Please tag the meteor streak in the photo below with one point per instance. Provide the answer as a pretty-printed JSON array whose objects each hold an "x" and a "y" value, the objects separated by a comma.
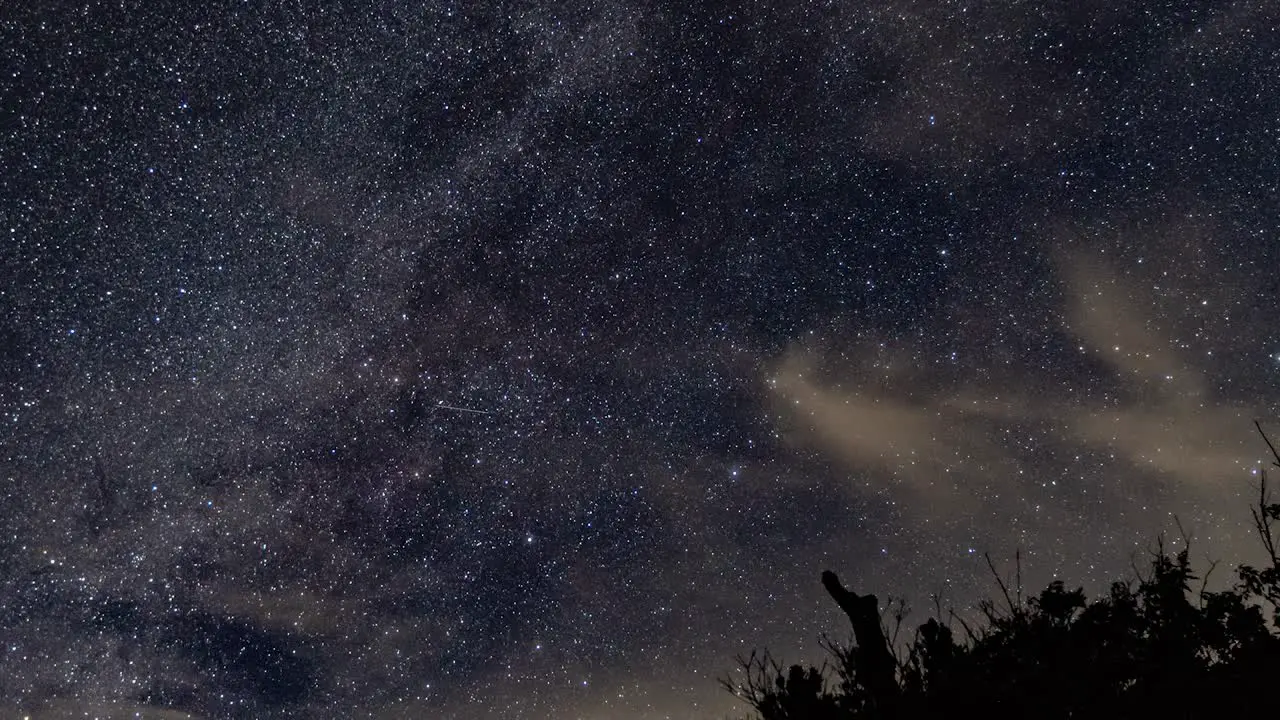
[{"x": 462, "y": 409}]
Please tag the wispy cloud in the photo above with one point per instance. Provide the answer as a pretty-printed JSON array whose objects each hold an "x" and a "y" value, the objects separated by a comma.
[{"x": 942, "y": 445}]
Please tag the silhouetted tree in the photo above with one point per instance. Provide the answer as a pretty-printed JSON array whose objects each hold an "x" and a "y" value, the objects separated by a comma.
[{"x": 1152, "y": 647}]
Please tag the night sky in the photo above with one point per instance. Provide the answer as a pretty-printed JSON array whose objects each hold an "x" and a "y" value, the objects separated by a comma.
[{"x": 527, "y": 360}]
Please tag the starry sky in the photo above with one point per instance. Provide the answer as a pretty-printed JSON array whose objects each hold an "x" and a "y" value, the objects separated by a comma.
[{"x": 526, "y": 360}]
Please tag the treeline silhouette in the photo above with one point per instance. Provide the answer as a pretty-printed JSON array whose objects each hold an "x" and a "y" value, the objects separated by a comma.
[{"x": 1153, "y": 647}]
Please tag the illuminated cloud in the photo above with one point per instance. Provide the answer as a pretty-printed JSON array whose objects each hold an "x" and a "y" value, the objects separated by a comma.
[{"x": 929, "y": 441}]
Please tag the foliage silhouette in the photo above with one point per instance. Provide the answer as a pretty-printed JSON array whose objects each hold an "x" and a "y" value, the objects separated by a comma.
[{"x": 1152, "y": 647}]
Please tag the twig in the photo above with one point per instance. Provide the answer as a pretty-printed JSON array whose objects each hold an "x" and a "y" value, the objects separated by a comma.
[
  {"x": 1004, "y": 589},
  {"x": 1274, "y": 453},
  {"x": 1204, "y": 582},
  {"x": 1262, "y": 521},
  {"x": 973, "y": 637},
  {"x": 1017, "y": 562},
  {"x": 1182, "y": 532}
]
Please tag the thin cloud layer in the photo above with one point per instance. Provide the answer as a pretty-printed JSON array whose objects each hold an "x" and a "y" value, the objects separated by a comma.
[{"x": 1152, "y": 412}]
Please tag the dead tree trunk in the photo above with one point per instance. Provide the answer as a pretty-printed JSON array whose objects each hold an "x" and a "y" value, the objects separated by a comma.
[{"x": 874, "y": 664}]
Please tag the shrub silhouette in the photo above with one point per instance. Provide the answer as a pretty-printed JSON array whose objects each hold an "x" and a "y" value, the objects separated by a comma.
[{"x": 1151, "y": 647}]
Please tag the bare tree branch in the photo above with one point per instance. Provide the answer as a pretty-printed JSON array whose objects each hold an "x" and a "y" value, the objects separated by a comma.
[
  {"x": 1274, "y": 453},
  {"x": 1004, "y": 589},
  {"x": 1204, "y": 582}
]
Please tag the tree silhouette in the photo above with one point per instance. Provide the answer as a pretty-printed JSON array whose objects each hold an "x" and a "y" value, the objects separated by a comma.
[{"x": 1152, "y": 647}]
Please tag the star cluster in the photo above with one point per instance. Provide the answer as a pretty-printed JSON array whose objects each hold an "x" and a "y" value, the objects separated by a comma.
[{"x": 437, "y": 360}]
